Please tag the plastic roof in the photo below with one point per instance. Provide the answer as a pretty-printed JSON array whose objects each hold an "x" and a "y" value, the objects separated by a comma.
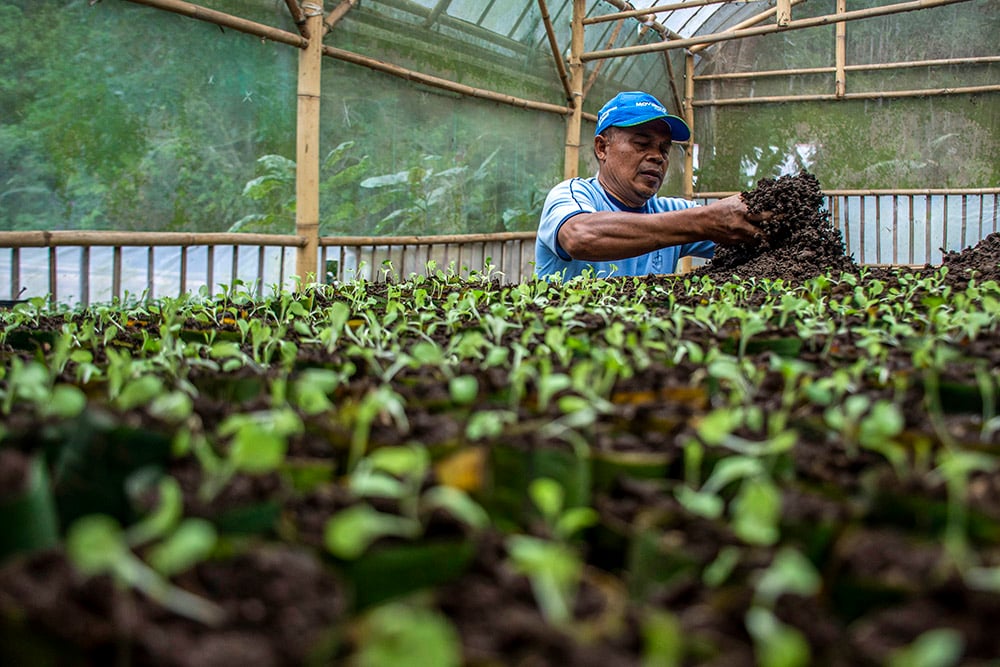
[
  {"x": 514, "y": 19},
  {"x": 515, "y": 28}
]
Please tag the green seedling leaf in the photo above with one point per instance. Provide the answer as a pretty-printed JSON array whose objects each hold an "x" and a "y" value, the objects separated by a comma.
[
  {"x": 548, "y": 496},
  {"x": 192, "y": 542},
  {"x": 942, "y": 647},
  {"x": 554, "y": 571},
  {"x": 463, "y": 389},
  {"x": 257, "y": 451},
  {"x": 884, "y": 422},
  {"x": 174, "y": 407},
  {"x": 488, "y": 424},
  {"x": 549, "y": 385},
  {"x": 756, "y": 512},
  {"x": 400, "y": 461},
  {"x": 663, "y": 640},
  {"x": 369, "y": 483},
  {"x": 65, "y": 402},
  {"x": 96, "y": 544},
  {"x": 730, "y": 470},
  {"x": 574, "y": 520},
  {"x": 403, "y": 634},
  {"x": 776, "y": 644},
  {"x": 718, "y": 425},
  {"x": 707, "y": 505},
  {"x": 313, "y": 388},
  {"x": 457, "y": 503},
  {"x": 164, "y": 518},
  {"x": 789, "y": 572},
  {"x": 139, "y": 392},
  {"x": 350, "y": 532},
  {"x": 716, "y": 572}
]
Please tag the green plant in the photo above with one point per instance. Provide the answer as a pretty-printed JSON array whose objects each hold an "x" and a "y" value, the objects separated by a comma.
[{"x": 97, "y": 544}]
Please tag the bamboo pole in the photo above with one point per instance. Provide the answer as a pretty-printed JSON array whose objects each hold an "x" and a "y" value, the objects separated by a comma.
[
  {"x": 872, "y": 95},
  {"x": 594, "y": 73},
  {"x": 45, "y": 239},
  {"x": 783, "y": 13},
  {"x": 436, "y": 12},
  {"x": 550, "y": 33},
  {"x": 689, "y": 118},
  {"x": 654, "y": 10},
  {"x": 840, "y": 53},
  {"x": 297, "y": 16},
  {"x": 746, "y": 23},
  {"x": 798, "y": 24},
  {"x": 442, "y": 84},
  {"x": 626, "y": 7},
  {"x": 870, "y": 67},
  {"x": 338, "y": 13},
  {"x": 227, "y": 21},
  {"x": 436, "y": 239},
  {"x": 574, "y": 125},
  {"x": 307, "y": 145}
]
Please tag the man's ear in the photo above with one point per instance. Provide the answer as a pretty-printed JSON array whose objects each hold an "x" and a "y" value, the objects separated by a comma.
[{"x": 600, "y": 147}]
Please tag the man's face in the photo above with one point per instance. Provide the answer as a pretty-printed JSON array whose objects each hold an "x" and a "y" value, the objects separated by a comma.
[{"x": 634, "y": 160}]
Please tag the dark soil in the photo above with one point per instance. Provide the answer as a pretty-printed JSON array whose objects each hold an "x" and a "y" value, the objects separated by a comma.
[
  {"x": 278, "y": 604},
  {"x": 799, "y": 242},
  {"x": 980, "y": 262}
]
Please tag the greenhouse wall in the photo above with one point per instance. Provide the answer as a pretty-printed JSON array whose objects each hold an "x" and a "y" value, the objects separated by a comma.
[{"x": 931, "y": 141}]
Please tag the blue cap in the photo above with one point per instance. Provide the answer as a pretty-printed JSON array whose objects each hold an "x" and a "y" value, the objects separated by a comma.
[{"x": 635, "y": 108}]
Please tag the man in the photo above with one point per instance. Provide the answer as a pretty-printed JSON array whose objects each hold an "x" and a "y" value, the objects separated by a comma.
[{"x": 614, "y": 223}]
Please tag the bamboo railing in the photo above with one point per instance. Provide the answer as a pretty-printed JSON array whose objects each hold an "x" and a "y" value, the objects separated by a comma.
[{"x": 880, "y": 227}]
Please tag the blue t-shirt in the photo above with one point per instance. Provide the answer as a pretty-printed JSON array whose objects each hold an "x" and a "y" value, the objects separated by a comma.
[{"x": 585, "y": 195}]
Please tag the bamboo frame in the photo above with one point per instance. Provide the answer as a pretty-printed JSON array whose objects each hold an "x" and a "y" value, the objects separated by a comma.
[
  {"x": 746, "y": 23},
  {"x": 56, "y": 238},
  {"x": 550, "y": 34},
  {"x": 227, "y": 21},
  {"x": 298, "y": 18},
  {"x": 840, "y": 53},
  {"x": 309, "y": 244},
  {"x": 870, "y": 67},
  {"x": 783, "y": 13},
  {"x": 443, "y": 84},
  {"x": 338, "y": 13},
  {"x": 798, "y": 24},
  {"x": 571, "y": 164},
  {"x": 308, "y": 142},
  {"x": 832, "y": 97},
  {"x": 630, "y": 13}
]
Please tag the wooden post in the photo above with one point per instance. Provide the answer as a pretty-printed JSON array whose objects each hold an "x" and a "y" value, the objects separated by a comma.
[
  {"x": 840, "y": 53},
  {"x": 689, "y": 117},
  {"x": 571, "y": 168},
  {"x": 307, "y": 151},
  {"x": 784, "y": 14},
  {"x": 689, "y": 147}
]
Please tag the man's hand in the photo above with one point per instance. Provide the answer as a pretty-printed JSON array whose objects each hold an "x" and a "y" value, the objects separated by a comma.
[{"x": 727, "y": 222}]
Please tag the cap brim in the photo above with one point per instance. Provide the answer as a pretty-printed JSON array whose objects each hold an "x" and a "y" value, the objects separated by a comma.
[{"x": 679, "y": 130}]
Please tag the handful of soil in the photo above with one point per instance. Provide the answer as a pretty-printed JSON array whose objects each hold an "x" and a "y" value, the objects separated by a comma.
[{"x": 799, "y": 241}]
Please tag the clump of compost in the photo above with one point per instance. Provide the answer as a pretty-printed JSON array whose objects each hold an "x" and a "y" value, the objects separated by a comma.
[
  {"x": 981, "y": 261},
  {"x": 798, "y": 240}
]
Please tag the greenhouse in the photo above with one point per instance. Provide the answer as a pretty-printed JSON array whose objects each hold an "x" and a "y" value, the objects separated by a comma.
[{"x": 287, "y": 377}]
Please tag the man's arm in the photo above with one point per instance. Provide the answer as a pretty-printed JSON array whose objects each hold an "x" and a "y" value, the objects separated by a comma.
[{"x": 607, "y": 236}]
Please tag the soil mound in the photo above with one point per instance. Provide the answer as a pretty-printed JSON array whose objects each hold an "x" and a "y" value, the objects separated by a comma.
[
  {"x": 799, "y": 241},
  {"x": 981, "y": 261}
]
